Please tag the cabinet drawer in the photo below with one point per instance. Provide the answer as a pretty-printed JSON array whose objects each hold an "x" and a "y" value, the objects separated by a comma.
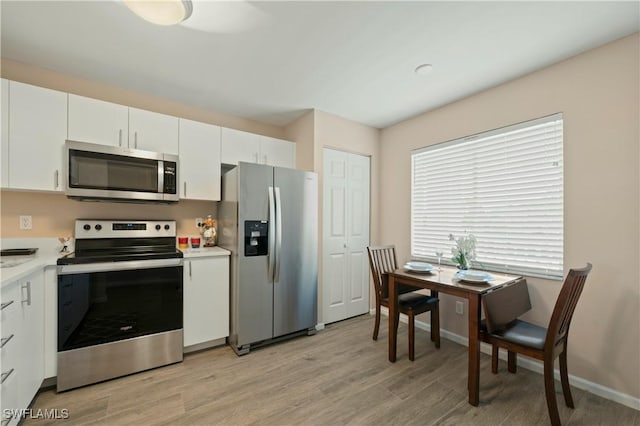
[
  {"x": 10, "y": 312},
  {"x": 9, "y": 398}
]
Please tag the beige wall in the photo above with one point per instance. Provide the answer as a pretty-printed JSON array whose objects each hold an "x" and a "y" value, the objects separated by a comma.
[
  {"x": 598, "y": 92},
  {"x": 54, "y": 214},
  {"x": 317, "y": 130},
  {"x": 302, "y": 131},
  {"x": 30, "y": 74}
]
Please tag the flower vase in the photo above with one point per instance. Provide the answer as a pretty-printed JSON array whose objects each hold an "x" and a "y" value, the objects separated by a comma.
[{"x": 463, "y": 263}]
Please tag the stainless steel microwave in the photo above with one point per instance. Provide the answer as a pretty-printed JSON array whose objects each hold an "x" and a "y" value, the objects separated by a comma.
[{"x": 104, "y": 172}]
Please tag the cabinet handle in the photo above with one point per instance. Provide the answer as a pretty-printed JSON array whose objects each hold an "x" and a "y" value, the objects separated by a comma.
[
  {"x": 5, "y": 340},
  {"x": 265, "y": 159},
  {"x": 135, "y": 140},
  {"x": 6, "y": 375},
  {"x": 189, "y": 269},
  {"x": 120, "y": 137},
  {"x": 55, "y": 178},
  {"x": 5, "y": 304},
  {"x": 27, "y": 286},
  {"x": 185, "y": 189}
]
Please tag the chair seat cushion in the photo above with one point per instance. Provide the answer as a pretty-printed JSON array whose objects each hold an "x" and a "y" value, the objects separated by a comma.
[
  {"x": 415, "y": 302},
  {"x": 522, "y": 333}
]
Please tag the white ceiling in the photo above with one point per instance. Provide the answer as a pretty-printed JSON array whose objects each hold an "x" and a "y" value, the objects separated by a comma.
[{"x": 353, "y": 59}]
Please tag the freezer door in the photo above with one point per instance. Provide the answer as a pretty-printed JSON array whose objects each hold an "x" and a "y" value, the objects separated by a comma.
[
  {"x": 254, "y": 304},
  {"x": 295, "y": 305}
]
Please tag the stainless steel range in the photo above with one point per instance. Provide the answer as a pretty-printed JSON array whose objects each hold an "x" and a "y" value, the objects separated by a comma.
[{"x": 119, "y": 301}]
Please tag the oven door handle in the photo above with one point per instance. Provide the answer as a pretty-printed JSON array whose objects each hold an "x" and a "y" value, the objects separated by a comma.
[{"x": 88, "y": 268}]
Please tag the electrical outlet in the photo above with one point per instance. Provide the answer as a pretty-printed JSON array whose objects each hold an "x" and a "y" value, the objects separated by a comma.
[
  {"x": 459, "y": 308},
  {"x": 198, "y": 222},
  {"x": 26, "y": 222}
]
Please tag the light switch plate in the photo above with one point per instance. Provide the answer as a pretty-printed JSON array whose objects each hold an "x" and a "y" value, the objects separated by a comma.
[{"x": 459, "y": 308}]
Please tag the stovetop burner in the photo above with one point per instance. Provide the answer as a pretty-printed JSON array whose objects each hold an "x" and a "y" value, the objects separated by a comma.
[
  {"x": 118, "y": 240},
  {"x": 77, "y": 258}
]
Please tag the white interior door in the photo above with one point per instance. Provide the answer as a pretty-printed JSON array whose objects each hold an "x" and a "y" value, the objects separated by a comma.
[{"x": 345, "y": 235}]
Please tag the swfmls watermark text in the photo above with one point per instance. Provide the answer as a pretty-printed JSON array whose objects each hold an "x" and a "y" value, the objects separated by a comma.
[{"x": 29, "y": 413}]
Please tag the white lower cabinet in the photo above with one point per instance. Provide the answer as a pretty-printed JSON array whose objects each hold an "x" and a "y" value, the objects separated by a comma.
[
  {"x": 22, "y": 349},
  {"x": 206, "y": 299}
]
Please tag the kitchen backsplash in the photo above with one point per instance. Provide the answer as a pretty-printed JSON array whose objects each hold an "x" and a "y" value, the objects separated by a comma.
[{"x": 53, "y": 215}]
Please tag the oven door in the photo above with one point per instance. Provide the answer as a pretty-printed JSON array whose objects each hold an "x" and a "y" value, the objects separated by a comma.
[{"x": 111, "y": 301}]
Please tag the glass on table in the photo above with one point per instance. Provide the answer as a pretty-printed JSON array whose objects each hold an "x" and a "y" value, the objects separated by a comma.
[{"x": 439, "y": 253}]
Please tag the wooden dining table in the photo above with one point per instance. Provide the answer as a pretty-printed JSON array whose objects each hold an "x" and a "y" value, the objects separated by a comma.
[{"x": 444, "y": 281}]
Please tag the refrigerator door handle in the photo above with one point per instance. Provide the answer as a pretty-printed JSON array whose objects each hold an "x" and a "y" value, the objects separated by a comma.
[
  {"x": 272, "y": 232},
  {"x": 278, "y": 234}
]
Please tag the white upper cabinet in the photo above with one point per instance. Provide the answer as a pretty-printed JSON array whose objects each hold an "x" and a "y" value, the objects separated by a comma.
[
  {"x": 277, "y": 152},
  {"x": 251, "y": 148},
  {"x": 199, "y": 170},
  {"x": 37, "y": 131},
  {"x": 4, "y": 128},
  {"x": 239, "y": 146},
  {"x": 95, "y": 121},
  {"x": 152, "y": 131}
]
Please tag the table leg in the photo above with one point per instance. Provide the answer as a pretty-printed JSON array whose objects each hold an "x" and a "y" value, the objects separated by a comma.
[
  {"x": 474, "y": 349},
  {"x": 393, "y": 318}
]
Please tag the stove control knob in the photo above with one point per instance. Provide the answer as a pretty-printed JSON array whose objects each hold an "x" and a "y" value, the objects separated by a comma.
[
  {"x": 158, "y": 227},
  {"x": 98, "y": 227},
  {"x": 166, "y": 227},
  {"x": 86, "y": 227}
]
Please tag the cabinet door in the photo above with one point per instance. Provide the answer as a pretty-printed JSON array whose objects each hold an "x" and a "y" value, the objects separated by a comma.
[
  {"x": 277, "y": 152},
  {"x": 91, "y": 120},
  {"x": 151, "y": 131},
  {"x": 199, "y": 170},
  {"x": 10, "y": 351},
  {"x": 206, "y": 299},
  {"x": 4, "y": 129},
  {"x": 37, "y": 131},
  {"x": 239, "y": 146},
  {"x": 32, "y": 341}
]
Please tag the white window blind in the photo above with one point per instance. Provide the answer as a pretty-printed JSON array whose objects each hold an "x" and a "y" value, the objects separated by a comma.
[{"x": 505, "y": 187}]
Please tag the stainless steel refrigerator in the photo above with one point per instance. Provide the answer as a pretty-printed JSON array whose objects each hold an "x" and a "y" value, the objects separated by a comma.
[{"x": 268, "y": 219}]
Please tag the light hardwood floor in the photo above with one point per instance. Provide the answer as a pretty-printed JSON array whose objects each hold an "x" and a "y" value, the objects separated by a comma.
[{"x": 339, "y": 376}]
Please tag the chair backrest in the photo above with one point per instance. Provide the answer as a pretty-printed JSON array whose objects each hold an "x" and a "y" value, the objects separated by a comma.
[
  {"x": 382, "y": 259},
  {"x": 566, "y": 305},
  {"x": 505, "y": 304}
]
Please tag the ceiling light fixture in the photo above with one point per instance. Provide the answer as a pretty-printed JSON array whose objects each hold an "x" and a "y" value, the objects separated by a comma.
[
  {"x": 423, "y": 69},
  {"x": 161, "y": 12}
]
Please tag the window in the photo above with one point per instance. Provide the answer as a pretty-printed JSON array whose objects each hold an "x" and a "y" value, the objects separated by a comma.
[{"x": 503, "y": 186}]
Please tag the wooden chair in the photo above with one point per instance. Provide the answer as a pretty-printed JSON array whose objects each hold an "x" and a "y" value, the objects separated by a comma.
[
  {"x": 383, "y": 260},
  {"x": 503, "y": 330}
]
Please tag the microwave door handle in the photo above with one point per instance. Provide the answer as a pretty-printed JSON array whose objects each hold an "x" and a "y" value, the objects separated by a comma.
[
  {"x": 272, "y": 232},
  {"x": 278, "y": 234},
  {"x": 160, "y": 177}
]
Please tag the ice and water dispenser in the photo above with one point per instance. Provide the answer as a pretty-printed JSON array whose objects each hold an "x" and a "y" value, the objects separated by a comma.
[{"x": 256, "y": 238}]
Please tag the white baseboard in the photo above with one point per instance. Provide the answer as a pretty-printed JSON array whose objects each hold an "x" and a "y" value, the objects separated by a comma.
[
  {"x": 320, "y": 326},
  {"x": 533, "y": 365}
]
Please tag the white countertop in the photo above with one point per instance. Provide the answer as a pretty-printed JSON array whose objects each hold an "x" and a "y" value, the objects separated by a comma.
[
  {"x": 47, "y": 256},
  {"x": 205, "y": 252},
  {"x": 28, "y": 265}
]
